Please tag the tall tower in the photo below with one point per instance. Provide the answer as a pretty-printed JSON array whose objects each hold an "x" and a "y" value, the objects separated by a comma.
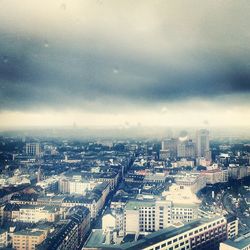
[{"x": 202, "y": 143}]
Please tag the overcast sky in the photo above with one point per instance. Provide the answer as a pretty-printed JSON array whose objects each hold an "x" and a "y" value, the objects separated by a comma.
[{"x": 124, "y": 63}]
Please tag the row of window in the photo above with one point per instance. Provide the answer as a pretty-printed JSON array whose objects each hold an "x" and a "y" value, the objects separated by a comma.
[{"x": 218, "y": 232}]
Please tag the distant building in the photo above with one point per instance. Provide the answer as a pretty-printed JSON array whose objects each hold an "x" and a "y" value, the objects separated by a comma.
[
  {"x": 33, "y": 149},
  {"x": 202, "y": 161},
  {"x": 170, "y": 145},
  {"x": 186, "y": 149},
  {"x": 215, "y": 176},
  {"x": 155, "y": 177},
  {"x": 202, "y": 143},
  {"x": 78, "y": 187},
  {"x": 182, "y": 163},
  {"x": 164, "y": 154},
  {"x": 49, "y": 185},
  {"x": 111, "y": 178},
  {"x": 237, "y": 172},
  {"x": 63, "y": 185},
  {"x": 195, "y": 181}
]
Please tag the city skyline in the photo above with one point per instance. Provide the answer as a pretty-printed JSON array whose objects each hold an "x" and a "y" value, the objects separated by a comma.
[{"x": 124, "y": 63}]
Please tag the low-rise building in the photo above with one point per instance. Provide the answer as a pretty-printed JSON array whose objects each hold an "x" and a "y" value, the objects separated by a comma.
[
  {"x": 34, "y": 214},
  {"x": 215, "y": 176},
  {"x": 194, "y": 180},
  {"x": 28, "y": 239},
  {"x": 93, "y": 200},
  {"x": 237, "y": 172},
  {"x": 30, "y": 213},
  {"x": 3, "y": 238},
  {"x": 155, "y": 177},
  {"x": 69, "y": 233},
  {"x": 239, "y": 243}
]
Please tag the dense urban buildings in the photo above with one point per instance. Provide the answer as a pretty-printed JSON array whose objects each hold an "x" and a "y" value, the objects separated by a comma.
[
  {"x": 124, "y": 125},
  {"x": 188, "y": 191}
]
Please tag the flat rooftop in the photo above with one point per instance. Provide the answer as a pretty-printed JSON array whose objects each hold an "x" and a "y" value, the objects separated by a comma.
[
  {"x": 136, "y": 204},
  {"x": 97, "y": 237},
  {"x": 29, "y": 232},
  {"x": 240, "y": 242}
]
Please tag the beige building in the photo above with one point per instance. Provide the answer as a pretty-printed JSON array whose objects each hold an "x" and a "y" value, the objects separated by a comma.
[
  {"x": 33, "y": 214},
  {"x": 194, "y": 180},
  {"x": 178, "y": 205},
  {"x": 28, "y": 239},
  {"x": 215, "y": 176},
  {"x": 3, "y": 238}
]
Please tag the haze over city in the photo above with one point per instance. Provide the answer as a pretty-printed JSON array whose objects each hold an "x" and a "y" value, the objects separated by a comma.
[{"x": 124, "y": 125}]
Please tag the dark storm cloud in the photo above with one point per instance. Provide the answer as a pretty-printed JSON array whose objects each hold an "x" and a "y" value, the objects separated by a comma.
[
  {"x": 38, "y": 71},
  {"x": 33, "y": 74}
]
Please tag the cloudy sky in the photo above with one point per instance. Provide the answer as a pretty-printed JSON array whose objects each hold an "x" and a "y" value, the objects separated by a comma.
[{"x": 124, "y": 63}]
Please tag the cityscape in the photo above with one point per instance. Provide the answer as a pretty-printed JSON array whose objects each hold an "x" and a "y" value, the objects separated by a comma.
[
  {"x": 124, "y": 125},
  {"x": 180, "y": 192}
]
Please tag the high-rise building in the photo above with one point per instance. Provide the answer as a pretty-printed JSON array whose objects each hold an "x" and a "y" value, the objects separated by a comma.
[
  {"x": 202, "y": 143},
  {"x": 186, "y": 149},
  {"x": 33, "y": 149},
  {"x": 170, "y": 145}
]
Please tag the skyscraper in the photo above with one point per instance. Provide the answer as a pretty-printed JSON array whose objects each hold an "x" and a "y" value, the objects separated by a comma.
[
  {"x": 33, "y": 149},
  {"x": 171, "y": 146},
  {"x": 186, "y": 149},
  {"x": 202, "y": 143}
]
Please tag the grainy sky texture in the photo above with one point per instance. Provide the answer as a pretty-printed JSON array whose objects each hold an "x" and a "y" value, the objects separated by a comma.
[{"x": 117, "y": 62}]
